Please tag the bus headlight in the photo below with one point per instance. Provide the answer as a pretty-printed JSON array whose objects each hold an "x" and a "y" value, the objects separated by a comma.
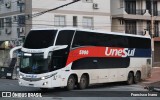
[
  {"x": 20, "y": 76},
  {"x": 43, "y": 78},
  {"x": 48, "y": 76}
]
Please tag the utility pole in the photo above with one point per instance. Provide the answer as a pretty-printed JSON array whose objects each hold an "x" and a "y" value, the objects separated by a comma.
[{"x": 152, "y": 32}]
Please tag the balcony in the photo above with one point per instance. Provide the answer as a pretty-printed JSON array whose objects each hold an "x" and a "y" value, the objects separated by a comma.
[
  {"x": 136, "y": 14},
  {"x": 136, "y": 11}
]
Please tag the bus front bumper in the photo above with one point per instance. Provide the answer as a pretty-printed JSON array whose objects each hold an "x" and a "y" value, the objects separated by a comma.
[{"x": 41, "y": 83}]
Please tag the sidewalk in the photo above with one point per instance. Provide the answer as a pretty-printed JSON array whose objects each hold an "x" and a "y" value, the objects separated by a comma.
[{"x": 153, "y": 83}]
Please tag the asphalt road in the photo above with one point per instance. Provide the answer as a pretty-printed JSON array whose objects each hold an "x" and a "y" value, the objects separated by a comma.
[{"x": 111, "y": 91}]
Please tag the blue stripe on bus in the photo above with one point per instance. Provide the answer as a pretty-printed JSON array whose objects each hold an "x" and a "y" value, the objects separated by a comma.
[{"x": 142, "y": 53}]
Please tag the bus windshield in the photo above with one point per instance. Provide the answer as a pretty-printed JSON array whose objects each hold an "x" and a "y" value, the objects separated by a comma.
[
  {"x": 33, "y": 63},
  {"x": 38, "y": 39}
]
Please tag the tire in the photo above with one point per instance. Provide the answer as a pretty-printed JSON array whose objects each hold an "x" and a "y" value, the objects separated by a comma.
[
  {"x": 83, "y": 82},
  {"x": 137, "y": 77},
  {"x": 71, "y": 83},
  {"x": 130, "y": 78}
]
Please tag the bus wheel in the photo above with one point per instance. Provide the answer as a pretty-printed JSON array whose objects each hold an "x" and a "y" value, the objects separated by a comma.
[
  {"x": 83, "y": 82},
  {"x": 137, "y": 77},
  {"x": 71, "y": 83},
  {"x": 130, "y": 78}
]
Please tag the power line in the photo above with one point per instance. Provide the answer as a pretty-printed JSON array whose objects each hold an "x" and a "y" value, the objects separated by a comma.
[{"x": 43, "y": 12}]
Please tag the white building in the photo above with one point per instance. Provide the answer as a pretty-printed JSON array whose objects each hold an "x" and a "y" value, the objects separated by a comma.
[{"x": 91, "y": 14}]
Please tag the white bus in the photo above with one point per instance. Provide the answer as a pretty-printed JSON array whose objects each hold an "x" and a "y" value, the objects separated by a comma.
[{"x": 69, "y": 57}]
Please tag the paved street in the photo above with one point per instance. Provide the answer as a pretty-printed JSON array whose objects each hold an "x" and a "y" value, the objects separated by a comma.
[{"x": 102, "y": 91}]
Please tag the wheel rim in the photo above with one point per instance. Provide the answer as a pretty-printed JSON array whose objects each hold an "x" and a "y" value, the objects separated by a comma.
[{"x": 70, "y": 82}]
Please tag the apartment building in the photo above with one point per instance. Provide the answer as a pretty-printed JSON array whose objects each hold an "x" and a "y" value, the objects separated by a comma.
[
  {"x": 12, "y": 27},
  {"x": 17, "y": 17},
  {"x": 134, "y": 17}
]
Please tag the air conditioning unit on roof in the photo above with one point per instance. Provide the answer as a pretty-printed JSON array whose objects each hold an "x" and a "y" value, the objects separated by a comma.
[
  {"x": 95, "y": 6},
  {"x": 8, "y": 4}
]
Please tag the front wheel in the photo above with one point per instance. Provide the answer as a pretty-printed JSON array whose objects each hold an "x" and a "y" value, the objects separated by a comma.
[
  {"x": 71, "y": 83},
  {"x": 130, "y": 78},
  {"x": 83, "y": 82}
]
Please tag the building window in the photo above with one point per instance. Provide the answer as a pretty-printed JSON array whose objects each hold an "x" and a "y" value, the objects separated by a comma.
[
  {"x": 155, "y": 7},
  {"x": 156, "y": 29},
  {"x": 8, "y": 22},
  {"x": 75, "y": 21},
  {"x": 21, "y": 20},
  {"x": 1, "y": 23},
  {"x": 130, "y": 27},
  {"x": 88, "y": 22},
  {"x": 130, "y": 6},
  {"x": 60, "y": 20}
]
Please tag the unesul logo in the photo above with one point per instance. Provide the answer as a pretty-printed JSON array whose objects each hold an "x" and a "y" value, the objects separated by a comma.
[{"x": 119, "y": 52}]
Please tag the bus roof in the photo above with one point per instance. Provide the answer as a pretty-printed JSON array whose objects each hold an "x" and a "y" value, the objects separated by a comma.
[{"x": 94, "y": 31}]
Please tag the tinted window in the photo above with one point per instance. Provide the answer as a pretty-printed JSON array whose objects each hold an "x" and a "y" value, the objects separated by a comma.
[
  {"x": 101, "y": 63},
  {"x": 99, "y": 39},
  {"x": 37, "y": 39},
  {"x": 64, "y": 37},
  {"x": 135, "y": 42},
  {"x": 109, "y": 40}
]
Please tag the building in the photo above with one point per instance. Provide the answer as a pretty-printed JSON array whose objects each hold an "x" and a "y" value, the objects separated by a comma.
[
  {"x": 134, "y": 17},
  {"x": 12, "y": 23},
  {"x": 17, "y": 17}
]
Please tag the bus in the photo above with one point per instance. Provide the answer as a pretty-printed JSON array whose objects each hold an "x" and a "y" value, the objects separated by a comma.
[{"x": 73, "y": 57}]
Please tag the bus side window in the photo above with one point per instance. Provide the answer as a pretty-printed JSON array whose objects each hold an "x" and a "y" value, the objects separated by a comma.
[
  {"x": 85, "y": 39},
  {"x": 65, "y": 37}
]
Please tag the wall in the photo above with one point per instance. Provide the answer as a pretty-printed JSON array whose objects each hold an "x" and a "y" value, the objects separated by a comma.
[{"x": 79, "y": 9}]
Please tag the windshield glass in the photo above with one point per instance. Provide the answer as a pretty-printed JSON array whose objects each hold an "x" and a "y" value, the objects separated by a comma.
[
  {"x": 33, "y": 63},
  {"x": 37, "y": 39}
]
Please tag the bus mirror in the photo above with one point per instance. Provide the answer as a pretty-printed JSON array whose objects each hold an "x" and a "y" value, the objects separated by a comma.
[{"x": 13, "y": 50}]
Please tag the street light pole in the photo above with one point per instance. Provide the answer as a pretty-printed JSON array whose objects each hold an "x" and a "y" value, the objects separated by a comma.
[{"x": 152, "y": 32}]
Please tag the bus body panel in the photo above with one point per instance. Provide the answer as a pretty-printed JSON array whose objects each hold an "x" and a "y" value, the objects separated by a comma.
[{"x": 105, "y": 57}]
